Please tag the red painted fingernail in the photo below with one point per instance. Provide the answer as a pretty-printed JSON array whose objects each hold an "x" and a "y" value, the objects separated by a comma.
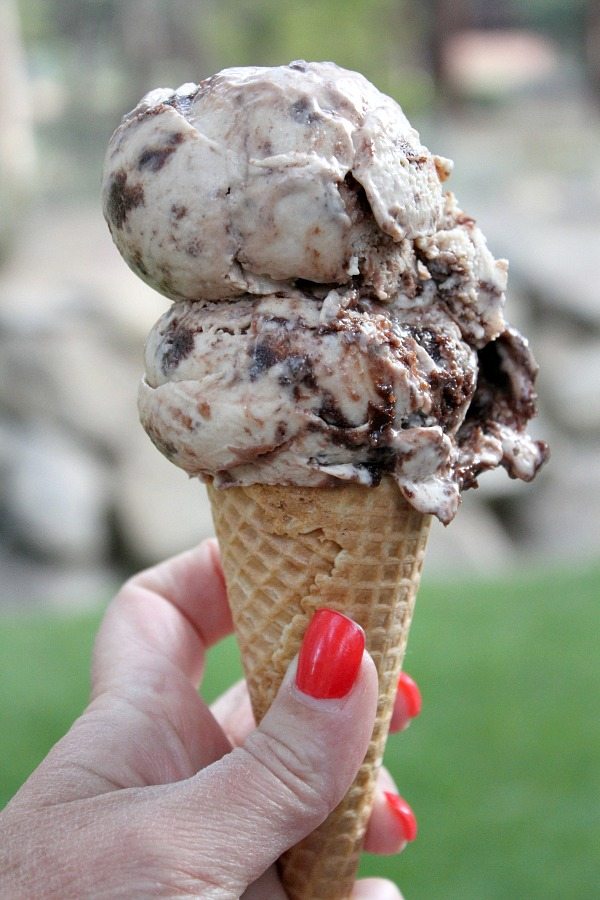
[
  {"x": 411, "y": 694},
  {"x": 404, "y": 814},
  {"x": 330, "y": 656}
]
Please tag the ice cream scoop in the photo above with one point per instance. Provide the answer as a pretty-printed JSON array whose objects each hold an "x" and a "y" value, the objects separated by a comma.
[
  {"x": 262, "y": 175},
  {"x": 290, "y": 391}
]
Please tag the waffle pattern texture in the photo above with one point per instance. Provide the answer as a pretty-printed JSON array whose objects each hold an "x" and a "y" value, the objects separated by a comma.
[{"x": 288, "y": 551}]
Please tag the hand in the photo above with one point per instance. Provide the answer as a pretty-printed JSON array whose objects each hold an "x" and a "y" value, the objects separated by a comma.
[{"x": 144, "y": 797}]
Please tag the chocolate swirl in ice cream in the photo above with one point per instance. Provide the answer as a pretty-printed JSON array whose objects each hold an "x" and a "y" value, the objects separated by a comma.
[
  {"x": 257, "y": 176},
  {"x": 337, "y": 317}
]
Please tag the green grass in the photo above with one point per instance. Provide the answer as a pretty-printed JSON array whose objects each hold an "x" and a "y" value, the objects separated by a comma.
[{"x": 502, "y": 768}]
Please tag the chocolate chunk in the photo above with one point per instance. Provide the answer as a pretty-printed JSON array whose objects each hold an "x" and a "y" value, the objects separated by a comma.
[
  {"x": 332, "y": 414},
  {"x": 204, "y": 408},
  {"x": 360, "y": 195},
  {"x": 266, "y": 353},
  {"x": 431, "y": 342},
  {"x": 122, "y": 198},
  {"x": 507, "y": 371},
  {"x": 380, "y": 462},
  {"x": 179, "y": 343},
  {"x": 297, "y": 370},
  {"x": 154, "y": 158},
  {"x": 303, "y": 112},
  {"x": 381, "y": 419}
]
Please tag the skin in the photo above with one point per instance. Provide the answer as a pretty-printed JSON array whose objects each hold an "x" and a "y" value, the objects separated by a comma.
[{"x": 145, "y": 797}]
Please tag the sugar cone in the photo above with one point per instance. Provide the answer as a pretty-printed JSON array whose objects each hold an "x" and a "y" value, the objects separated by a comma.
[{"x": 286, "y": 552}]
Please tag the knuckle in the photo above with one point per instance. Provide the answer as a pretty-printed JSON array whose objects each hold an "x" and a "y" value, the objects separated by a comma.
[{"x": 293, "y": 775}]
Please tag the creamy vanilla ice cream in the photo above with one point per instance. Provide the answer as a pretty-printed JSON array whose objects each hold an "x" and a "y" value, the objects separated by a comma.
[
  {"x": 337, "y": 317},
  {"x": 260, "y": 175}
]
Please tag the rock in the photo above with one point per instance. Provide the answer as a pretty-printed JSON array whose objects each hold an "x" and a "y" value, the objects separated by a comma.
[
  {"x": 95, "y": 388},
  {"x": 70, "y": 369},
  {"x": 27, "y": 584},
  {"x": 8, "y": 444},
  {"x": 159, "y": 510},
  {"x": 69, "y": 251},
  {"x": 556, "y": 264},
  {"x": 570, "y": 379},
  {"x": 561, "y": 520},
  {"x": 56, "y": 498}
]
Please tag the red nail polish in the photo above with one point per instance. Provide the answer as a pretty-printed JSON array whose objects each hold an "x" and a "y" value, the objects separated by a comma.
[
  {"x": 411, "y": 694},
  {"x": 404, "y": 813},
  {"x": 330, "y": 656}
]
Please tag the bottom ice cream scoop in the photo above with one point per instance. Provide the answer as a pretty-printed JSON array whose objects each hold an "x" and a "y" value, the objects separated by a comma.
[{"x": 289, "y": 390}]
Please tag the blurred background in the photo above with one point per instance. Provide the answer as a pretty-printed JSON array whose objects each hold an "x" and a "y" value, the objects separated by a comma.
[{"x": 510, "y": 91}]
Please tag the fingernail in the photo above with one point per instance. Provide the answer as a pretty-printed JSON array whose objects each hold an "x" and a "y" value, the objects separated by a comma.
[
  {"x": 404, "y": 814},
  {"x": 411, "y": 694},
  {"x": 330, "y": 656}
]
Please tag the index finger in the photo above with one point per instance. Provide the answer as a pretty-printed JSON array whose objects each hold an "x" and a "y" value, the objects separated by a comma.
[{"x": 164, "y": 617}]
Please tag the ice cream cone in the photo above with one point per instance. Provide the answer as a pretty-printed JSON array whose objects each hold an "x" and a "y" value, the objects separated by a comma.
[{"x": 286, "y": 552}]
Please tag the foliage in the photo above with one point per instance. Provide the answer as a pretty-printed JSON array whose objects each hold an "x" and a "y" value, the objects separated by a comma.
[
  {"x": 563, "y": 20},
  {"x": 375, "y": 37},
  {"x": 149, "y": 42}
]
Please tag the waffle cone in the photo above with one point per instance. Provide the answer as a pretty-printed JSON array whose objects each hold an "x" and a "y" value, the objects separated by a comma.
[{"x": 286, "y": 552}]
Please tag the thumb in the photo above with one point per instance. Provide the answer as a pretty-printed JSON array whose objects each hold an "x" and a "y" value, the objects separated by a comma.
[{"x": 236, "y": 817}]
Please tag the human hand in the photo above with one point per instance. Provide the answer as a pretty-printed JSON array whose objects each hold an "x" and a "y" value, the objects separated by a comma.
[{"x": 144, "y": 796}]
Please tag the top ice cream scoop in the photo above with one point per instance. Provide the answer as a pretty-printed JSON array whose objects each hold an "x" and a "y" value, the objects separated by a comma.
[
  {"x": 259, "y": 175},
  {"x": 337, "y": 316}
]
